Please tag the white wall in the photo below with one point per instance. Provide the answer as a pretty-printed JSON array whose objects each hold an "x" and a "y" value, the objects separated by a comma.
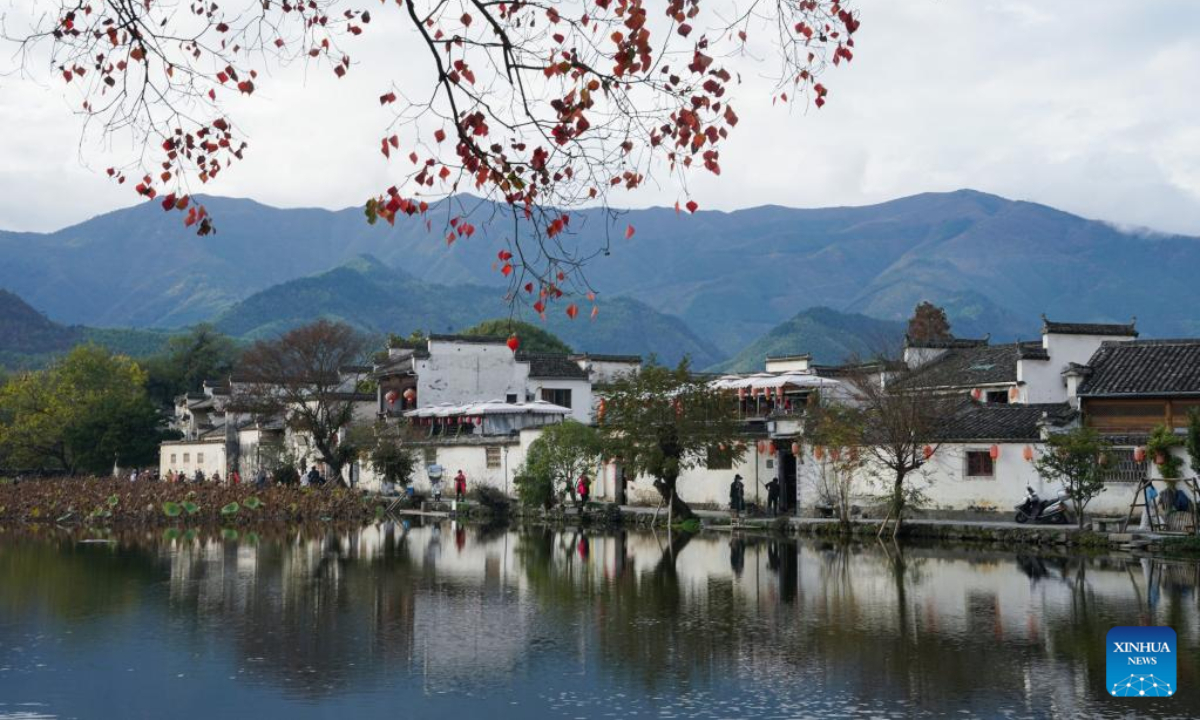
[
  {"x": 462, "y": 372},
  {"x": 581, "y": 395},
  {"x": 213, "y": 452}
]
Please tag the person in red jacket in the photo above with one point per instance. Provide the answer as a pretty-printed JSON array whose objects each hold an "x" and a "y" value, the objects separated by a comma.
[
  {"x": 460, "y": 486},
  {"x": 583, "y": 489}
]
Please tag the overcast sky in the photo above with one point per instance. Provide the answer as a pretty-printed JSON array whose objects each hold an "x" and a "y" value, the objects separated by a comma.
[{"x": 1090, "y": 106}]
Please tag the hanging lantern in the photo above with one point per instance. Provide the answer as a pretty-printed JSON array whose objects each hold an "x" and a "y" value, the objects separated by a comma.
[
  {"x": 994, "y": 452},
  {"x": 835, "y": 454},
  {"x": 819, "y": 452},
  {"x": 391, "y": 397},
  {"x": 1027, "y": 453},
  {"x": 927, "y": 451},
  {"x": 1014, "y": 393},
  {"x": 761, "y": 446},
  {"x": 741, "y": 393},
  {"x": 771, "y": 448},
  {"x": 795, "y": 448},
  {"x": 977, "y": 394},
  {"x": 1160, "y": 458},
  {"x": 513, "y": 342},
  {"x": 410, "y": 395},
  {"x": 601, "y": 407},
  {"x": 1139, "y": 454},
  {"x": 478, "y": 421}
]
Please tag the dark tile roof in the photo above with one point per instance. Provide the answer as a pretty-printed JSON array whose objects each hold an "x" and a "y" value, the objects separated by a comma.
[
  {"x": 607, "y": 358},
  {"x": 1032, "y": 351},
  {"x": 1067, "y": 328},
  {"x": 975, "y": 422},
  {"x": 971, "y": 367},
  {"x": 850, "y": 370},
  {"x": 553, "y": 366},
  {"x": 476, "y": 339},
  {"x": 945, "y": 343},
  {"x": 800, "y": 356},
  {"x": 1144, "y": 367}
]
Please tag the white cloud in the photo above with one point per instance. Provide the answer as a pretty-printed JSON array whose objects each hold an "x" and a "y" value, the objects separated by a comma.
[{"x": 1086, "y": 105}]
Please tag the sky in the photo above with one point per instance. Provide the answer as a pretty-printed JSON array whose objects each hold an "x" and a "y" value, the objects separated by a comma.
[{"x": 1089, "y": 106}]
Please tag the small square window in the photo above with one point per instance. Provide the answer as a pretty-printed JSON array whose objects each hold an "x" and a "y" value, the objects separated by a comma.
[
  {"x": 431, "y": 456},
  {"x": 557, "y": 396},
  {"x": 493, "y": 457},
  {"x": 199, "y": 458},
  {"x": 187, "y": 458},
  {"x": 980, "y": 464},
  {"x": 997, "y": 397},
  {"x": 511, "y": 398},
  {"x": 172, "y": 458}
]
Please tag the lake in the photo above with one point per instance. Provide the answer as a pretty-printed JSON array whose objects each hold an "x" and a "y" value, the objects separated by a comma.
[{"x": 446, "y": 620}]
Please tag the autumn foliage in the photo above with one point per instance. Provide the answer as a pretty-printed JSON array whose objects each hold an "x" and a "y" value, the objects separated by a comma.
[{"x": 540, "y": 107}]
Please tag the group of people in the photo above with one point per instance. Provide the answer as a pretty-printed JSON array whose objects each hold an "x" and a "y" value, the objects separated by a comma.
[
  {"x": 235, "y": 478},
  {"x": 737, "y": 496}
]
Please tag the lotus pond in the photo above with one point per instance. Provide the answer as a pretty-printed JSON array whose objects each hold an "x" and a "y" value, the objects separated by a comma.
[{"x": 462, "y": 621}]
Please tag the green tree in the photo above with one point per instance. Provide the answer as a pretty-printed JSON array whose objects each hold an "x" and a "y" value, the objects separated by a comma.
[
  {"x": 533, "y": 338},
  {"x": 85, "y": 411},
  {"x": 1159, "y": 446},
  {"x": 188, "y": 360},
  {"x": 390, "y": 454},
  {"x": 555, "y": 461},
  {"x": 662, "y": 421},
  {"x": 1077, "y": 459},
  {"x": 1192, "y": 440}
]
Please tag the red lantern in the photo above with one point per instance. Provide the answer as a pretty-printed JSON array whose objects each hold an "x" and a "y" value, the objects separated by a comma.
[
  {"x": 927, "y": 451},
  {"x": 994, "y": 452},
  {"x": 410, "y": 394},
  {"x": 835, "y": 454},
  {"x": 741, "y": 393},
  {"x": 513, "y": 343},
  {"x": 1139, "y": 454},
  {"x": 1013, "y": 393},
  {"x": 1027, "y": 453},
  {"x": 478, "y": 420},
  {"x": 391, "y": 397},
  {"x": 819, "y": 452},
  {"x": 771, "y": 448},
  {"x": 795, "y": 448},
  {"x": 977, "y": 393},
  {"x": 761, "y": 446}
]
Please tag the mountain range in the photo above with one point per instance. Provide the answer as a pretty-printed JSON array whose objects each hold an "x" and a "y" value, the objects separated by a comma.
[{"x": 729, "y": 277}]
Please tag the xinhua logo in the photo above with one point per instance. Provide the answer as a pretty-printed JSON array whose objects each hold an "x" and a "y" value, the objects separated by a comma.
[{"x": 1141, "y": 662}]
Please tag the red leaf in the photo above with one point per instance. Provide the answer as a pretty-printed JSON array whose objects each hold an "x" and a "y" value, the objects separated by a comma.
[
  {"x": 504, "y": 255},
  {"x": 629, "y": 231},
  {"x": 506, "y": 270},
  {"x": 595, "y": 311},
  {"x": 439, "y": 135},
  {"x": 513, "y": 343},
  {"x": 692, "y": 206},
  {"x": 388, "y": 98},
  {"x": 572, "y": 310}
]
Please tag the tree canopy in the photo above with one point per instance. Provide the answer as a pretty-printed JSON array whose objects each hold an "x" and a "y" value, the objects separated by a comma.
[
  {"x": 541, "y": 107},
  {"x": 533, "y": 338},
  {"x": 188, "y": 360},
  {"x": 555, "y": 461},
  {"x": 929, "y": 322},
  {"x": 663, "y": 421},
  {"x": 85, "y": 412},
  {"x": 1077, "y": 458}
]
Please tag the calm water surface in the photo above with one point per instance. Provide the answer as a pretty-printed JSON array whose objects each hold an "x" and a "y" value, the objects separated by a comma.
[{"x": 463, "y": 622}]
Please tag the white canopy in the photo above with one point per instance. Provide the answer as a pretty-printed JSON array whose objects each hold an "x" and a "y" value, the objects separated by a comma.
[
  {"x": 489, "y": 407},
  {"x": 772, "y": 380}
]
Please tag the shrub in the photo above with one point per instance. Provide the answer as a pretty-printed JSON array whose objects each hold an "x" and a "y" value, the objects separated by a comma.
[{"x": 490, "y": 498}]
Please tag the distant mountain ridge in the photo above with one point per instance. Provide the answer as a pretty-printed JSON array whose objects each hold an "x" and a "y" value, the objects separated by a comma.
[
  {"x": 829, "y": 336},
  {"x": 28, "y": 338},
  {"x": 996, "y": 264},
  {"x": 380, "y": 300}
]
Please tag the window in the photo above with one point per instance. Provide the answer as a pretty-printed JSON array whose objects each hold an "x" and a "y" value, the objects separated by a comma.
[
  {"x": 511, "y": 398},
  {"x": 431, "y": 456},
  {"x": 187, "y": 458},
  {"x": 719, "y": 459},
  {"x": 199, "y": 458},
  {"x": 558, "y": 396},
  {"x": 493, "y": 456},
  {"x": 997, "y": 397},
  {"x": 979, "y": 464},
  {"x": 172, "y": 458},
  {"x": 1124, "y": 469}
]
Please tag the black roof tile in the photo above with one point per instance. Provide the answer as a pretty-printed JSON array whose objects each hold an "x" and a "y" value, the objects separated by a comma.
[
  {"x": 553, "y": 366},
  {"x": 1068, "y": 328},
  {"x": 972, "y": 366},
  {"x": 1144, "y": 367},
  {"x": 975, "y": 422}
]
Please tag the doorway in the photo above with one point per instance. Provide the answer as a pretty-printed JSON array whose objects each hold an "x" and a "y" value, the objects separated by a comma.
[{"x": 787, "y": 481}]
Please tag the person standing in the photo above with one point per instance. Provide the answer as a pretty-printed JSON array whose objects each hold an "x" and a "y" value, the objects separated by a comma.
[
  {"x": 773, "y": 496},
  {"x": 584, "y": 489},
  {"x": 737, "y": 496},
  {"x": 235, "y": 478},
  {"x": 460, "y": 486}
]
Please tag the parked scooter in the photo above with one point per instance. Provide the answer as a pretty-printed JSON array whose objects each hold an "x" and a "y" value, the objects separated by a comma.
[{"x": 1044, "y": 512}]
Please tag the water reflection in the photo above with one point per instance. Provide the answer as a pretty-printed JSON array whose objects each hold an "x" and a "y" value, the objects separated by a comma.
[{"x": 447, "y": 619}]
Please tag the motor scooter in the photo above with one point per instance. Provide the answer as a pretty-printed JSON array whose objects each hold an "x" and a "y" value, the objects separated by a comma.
[{"x": 1043, "y": 512}]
